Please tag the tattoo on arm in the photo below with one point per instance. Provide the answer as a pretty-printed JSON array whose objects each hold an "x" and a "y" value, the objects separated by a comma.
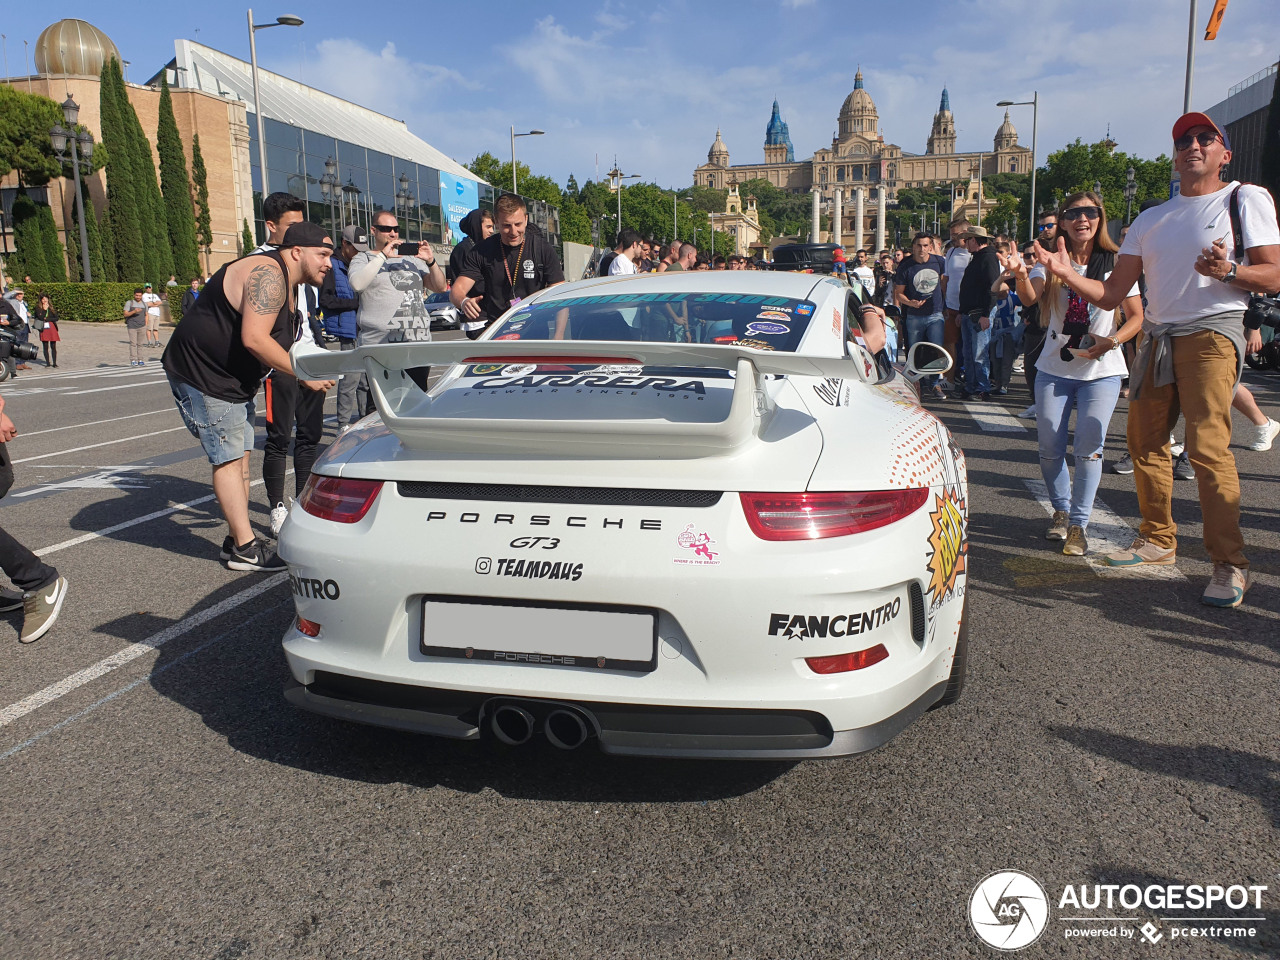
[{"x": 264, "y": 290}]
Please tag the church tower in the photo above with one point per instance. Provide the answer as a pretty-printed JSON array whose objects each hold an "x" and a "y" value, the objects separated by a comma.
[
  {"x": 942, "y": 138},
  {"x": 1006, "y": 137},
  {"x": 777, "y": 140},
  {"x": 858, "y": 116},
  {"x": 718, "y": 155}
]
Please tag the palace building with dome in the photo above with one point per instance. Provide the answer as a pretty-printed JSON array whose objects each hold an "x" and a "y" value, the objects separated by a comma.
[{"x": 860, "y": 166}]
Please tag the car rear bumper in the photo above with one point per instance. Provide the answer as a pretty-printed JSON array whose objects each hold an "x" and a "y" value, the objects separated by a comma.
[{"x": 617, "y": 728}]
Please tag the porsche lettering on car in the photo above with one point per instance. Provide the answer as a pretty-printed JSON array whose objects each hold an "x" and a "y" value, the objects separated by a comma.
[{"x": 682, "y": 515}]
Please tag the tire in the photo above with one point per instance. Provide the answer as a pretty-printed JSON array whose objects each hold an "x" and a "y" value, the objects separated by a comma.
[
  {"x": 5, "y": 370},
  {"x": 960, "y": 665}
]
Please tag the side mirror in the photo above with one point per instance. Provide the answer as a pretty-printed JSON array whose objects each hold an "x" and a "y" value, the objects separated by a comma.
[
  {"x": 926, "y": 359},
  {"x": 863, "y": 361}
]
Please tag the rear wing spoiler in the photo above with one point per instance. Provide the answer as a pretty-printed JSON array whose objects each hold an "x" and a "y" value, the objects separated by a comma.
[{"x": 407, "y": 411}]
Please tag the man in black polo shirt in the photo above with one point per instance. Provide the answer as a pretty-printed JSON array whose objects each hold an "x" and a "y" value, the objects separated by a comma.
[{"x": 514, "y": 263}]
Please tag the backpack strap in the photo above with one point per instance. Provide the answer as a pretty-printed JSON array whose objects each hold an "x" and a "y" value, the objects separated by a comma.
[{"x": 1237, "y": 232}]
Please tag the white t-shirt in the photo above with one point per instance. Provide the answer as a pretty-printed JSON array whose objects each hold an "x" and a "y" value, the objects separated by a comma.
[
  {"x": 957, "y": 260},
  {"x": 865, "y": 277},
  {"x": 1169, "y": 237},
  {"x": 621, "y": 266},
  {"x": 1102, "y": 323},
  {"x": 153, "y": 303}
]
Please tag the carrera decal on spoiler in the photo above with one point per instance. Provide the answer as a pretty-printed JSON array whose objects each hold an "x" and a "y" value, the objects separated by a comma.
[{"x": 604, "y": 381}]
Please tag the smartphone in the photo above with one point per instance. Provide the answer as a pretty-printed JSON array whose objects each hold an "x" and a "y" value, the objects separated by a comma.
[{"x": 407, "y": 249}]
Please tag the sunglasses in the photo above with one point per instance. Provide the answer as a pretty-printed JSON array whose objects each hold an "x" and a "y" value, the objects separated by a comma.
[
  {"x": 1204, "y": 138},
  {"x": 382, "y": 229},
  {"x": 1076, "y": 213}
]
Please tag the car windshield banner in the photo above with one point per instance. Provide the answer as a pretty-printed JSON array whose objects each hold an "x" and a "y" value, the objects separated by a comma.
[{"x": 748, "y": 320}]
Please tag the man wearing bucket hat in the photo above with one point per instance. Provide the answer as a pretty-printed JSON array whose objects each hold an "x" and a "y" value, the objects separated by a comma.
[
  {"x": 1203, "y": 252},
  {"x": 976, "y": 301}
]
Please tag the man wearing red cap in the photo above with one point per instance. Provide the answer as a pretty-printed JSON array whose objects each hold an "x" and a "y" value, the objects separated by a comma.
[{"x": 1193, "y": 345}]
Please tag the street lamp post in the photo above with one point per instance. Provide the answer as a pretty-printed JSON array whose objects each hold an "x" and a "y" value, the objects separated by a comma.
[
  {"x": 329, "y": 190},
  {"x": 351, "y": 197},
  {"x": 1130, "y": 189},
  {"x": 288, "y": 20},
  {"x": 404, "y": 200},
  {"x": 531, "y": 133},
  {"x": 616, "y": 177},
  {"x": 1034, "y": 103},
  {"x": 60, "y": 139},
  {"x": 675, "y": 216}
]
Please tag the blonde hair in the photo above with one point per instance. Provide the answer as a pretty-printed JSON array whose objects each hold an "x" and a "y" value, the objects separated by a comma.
[{"x": 1101, "y": 240}]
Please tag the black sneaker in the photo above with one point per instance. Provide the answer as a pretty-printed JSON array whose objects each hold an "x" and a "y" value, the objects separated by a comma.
[
  {"x": 255, "y": 557},
  {"x": 10, "y": 600},
  {"x": 1124, "y": 465},
  {"x": 986, "y": 396},
  {"x": 225, "y": 553},
  {"x": 1182, "y": 467}
]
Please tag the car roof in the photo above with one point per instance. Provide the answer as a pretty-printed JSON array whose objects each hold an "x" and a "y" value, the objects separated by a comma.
[{"x": 796, "y": 286}]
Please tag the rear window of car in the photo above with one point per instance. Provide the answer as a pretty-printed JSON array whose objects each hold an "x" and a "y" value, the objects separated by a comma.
[{"x": 761, "y": 322}]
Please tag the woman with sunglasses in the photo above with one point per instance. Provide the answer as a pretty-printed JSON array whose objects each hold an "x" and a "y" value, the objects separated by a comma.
[{"x": 1080, "y": 367}]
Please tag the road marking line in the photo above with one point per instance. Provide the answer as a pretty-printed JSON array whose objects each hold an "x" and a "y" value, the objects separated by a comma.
[
  {"x": 106, "y": 531},
  {"x": 123, "y": 386},
  {"x": 994, "y": 418},
  {"x": 1107, "y": 533},
  {"x": 94, "y": 423},
  {"x": 115, "y": 694},
  {"x": 94, "y": 446},
  {"x": 55, "y": 691}
]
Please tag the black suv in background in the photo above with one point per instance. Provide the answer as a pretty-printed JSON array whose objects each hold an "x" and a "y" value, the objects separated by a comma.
[{"x": 804, "y": 256}]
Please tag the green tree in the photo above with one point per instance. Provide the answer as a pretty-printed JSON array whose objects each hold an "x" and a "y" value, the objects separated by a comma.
[
  {"x": 575, "y": 225},
  {"x": 94, "y": 233},
  {"x": 157, "y": 256},
  {"x": 123, "y": 216},
  {"x": 1077, "y": 166},
  {"x": 200, "y": 179},
  {"x": 571, "y": 188},
  {"x": 55, "y": 256},
  {"x": 25, "y": 121},
  {"x": 29, "y": 256},
  {"x": 246, "y": 239},
  {"x": 175, "y": 187}
]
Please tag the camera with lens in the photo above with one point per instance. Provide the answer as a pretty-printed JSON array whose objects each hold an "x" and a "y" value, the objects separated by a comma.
[
  {"x": 11, "y": 349},
  {"x": 1262, "y": 310}
]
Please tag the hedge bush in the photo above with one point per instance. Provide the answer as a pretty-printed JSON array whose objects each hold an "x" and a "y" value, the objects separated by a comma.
[{"x": 92, "y": 302}]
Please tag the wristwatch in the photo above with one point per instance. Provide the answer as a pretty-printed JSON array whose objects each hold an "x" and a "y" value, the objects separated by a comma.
[{"x": 1230, "y": 275}]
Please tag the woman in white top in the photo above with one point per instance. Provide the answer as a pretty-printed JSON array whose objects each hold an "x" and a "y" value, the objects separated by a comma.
[{"x": 1080, "y": 367}]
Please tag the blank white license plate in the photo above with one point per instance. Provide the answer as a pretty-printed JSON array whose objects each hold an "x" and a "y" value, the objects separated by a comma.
[{"x": 616, "y": 638}]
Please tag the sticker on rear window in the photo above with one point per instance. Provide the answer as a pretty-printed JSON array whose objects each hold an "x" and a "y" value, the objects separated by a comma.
[
  {"x": 772, "y": 315},
  {"x": 765, "y": 329}
]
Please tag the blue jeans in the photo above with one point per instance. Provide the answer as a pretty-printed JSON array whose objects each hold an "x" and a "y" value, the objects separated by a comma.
[
  {"x": 924, "y": 328},
  {"x": 224, "y": 429},
  {"x": 1094, "y": 402},
  {"x": 973, "y": 347}
]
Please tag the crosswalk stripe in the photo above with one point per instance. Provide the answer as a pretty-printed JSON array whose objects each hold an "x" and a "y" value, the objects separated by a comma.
[
  {"x": 1107, "y": 533},
  {"x": 994, "y": 418}
]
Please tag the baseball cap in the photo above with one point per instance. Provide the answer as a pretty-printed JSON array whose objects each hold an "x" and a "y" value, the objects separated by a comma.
[
  {"x": 306, "y": 234},
  {"x": 356, "y": 236},
  {"x": 1189, "y": 120},
  {"x": 146, "y": 286}
]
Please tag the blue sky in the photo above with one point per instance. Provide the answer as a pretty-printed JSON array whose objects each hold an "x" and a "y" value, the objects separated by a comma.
[{"x": 651, "y": 82}]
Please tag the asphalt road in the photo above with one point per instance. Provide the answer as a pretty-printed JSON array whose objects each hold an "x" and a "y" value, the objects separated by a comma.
[{"x": 158, "y": 797}]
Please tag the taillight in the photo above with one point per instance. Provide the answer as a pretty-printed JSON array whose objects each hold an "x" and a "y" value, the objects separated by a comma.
[
  {"x": 845, "y": 662},
  {"x": 338, "y": 499},
  {"x": 308, "y": 627},
  {"x": 812, "y": 516}
]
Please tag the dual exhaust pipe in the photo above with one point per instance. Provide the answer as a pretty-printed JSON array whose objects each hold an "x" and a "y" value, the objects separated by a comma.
[{"x": 565, "y": 729}]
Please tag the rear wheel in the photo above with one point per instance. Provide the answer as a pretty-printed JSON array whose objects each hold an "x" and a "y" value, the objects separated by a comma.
[{"x": 959, "y": 666}]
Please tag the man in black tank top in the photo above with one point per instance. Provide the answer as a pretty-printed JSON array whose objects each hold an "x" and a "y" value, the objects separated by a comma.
[{"x": 242, "y": 326}]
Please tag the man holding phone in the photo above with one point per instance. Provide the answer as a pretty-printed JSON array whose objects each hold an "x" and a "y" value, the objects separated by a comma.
[{"x": 390, "y": 278}]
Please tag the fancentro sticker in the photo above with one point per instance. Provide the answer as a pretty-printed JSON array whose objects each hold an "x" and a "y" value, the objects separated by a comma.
[{"x": 766, "y": 329}]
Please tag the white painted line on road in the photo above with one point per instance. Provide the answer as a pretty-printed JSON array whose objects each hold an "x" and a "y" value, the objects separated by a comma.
[
  {"x": 237, "y": 630},
  {"x": 1107, "y": 533},
  {"x": 994, "y": 418},
  {"x": 94, "y": 423},
  {"x": 115, "y": 528},
  {"x": 16, "y": 711},
  {"x": 123, "y": 386},
  {"x": 94, "y": 446}
]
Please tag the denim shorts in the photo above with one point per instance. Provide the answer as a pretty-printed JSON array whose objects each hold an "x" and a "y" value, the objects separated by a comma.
[{"x": 225, "y": 430}]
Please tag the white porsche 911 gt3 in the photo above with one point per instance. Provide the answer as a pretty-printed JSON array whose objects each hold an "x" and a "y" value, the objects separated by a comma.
[{"x": 682, "y": 515}]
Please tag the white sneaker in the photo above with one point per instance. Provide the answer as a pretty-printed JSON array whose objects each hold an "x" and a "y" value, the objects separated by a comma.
[
  {"x": 1028, "y": 414},
  {"x": 1259, "y": 436},
  {"x": 279, "y": 513}
]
